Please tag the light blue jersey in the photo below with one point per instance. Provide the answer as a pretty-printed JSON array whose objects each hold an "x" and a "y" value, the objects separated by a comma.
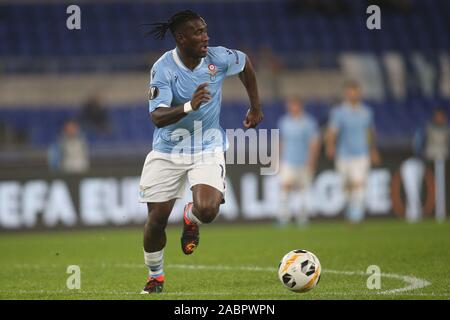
[
  {"x": 296, "y": 137},
  {"x": 173, "y": 84},
  {"x": 353, "y": 126}
]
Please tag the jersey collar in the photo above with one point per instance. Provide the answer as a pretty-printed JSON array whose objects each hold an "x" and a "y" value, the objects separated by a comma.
[{"x": 180, "y": 63}]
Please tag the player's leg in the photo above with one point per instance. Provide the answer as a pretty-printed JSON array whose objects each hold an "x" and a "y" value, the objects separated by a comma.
[
  {"x": 207, "y": 178},
  {"x": 284, "y": 214},
  {"x": 206, "y": 204},
  {"x": 154, "y": 243},
  {"x": 204, "y": 209},
  {"x": 305, "y": 177},
  {"x": 287, "y": 184},
  {"x": 343, "y": 169},
  {"x": 162, "y": 181},
  {"x": 358, "y": 177}
]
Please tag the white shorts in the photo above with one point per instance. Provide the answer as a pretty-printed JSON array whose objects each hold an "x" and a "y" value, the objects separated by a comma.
[
  {"x": 296, "y": 176},
  {"x": 164, "y": 175},
  {"x": 354, "y": 170}
]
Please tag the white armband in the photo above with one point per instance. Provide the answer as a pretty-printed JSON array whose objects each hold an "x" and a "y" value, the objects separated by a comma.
[{"x": 188, "y": 107}]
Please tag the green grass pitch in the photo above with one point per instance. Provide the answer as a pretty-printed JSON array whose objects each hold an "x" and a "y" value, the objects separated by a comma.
[{"x": 232, "y": 262}]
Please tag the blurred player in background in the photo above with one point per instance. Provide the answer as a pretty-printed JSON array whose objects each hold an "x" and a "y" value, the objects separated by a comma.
[
  {"x": 350, "y": 141},
  {"x": 433, "y": 140},
  {"x": 433, "y": 143},
  {"x": 70, "y": 153},
  {"x": 300, "y": 146},
  {"x": 185, "y": 86}
]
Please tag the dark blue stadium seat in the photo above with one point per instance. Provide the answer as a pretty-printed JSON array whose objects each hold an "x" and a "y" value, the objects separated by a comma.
[
  {"x": 115, "y": 27},
  {"x": 131, "y": 124}
]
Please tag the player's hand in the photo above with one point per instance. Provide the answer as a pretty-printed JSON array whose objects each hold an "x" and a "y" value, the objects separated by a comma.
[
  {"x": 253, "y": 118},
  {"x": 375, "y": 157},
  {"x": 200, "y": 96},
  {"x": 312, "y": 167}
]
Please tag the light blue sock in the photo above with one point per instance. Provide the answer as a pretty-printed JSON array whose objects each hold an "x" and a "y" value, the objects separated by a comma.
[{"x": 355, "y": 212}]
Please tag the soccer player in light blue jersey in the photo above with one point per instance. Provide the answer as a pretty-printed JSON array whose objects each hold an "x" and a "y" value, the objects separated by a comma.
[
  {"x": 300, "y": 146},
  {"x": 188, "y": 142},
  {"x": 350, "y": 142}
]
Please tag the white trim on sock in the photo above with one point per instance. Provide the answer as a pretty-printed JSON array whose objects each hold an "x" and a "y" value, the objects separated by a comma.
[
  {"x": 191, "y": 216},
  {"x": 154, "y": 262}
]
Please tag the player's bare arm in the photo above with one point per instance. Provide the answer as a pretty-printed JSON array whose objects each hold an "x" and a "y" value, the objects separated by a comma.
[
  {"x": 248, "y": 78},
  {"x": 330, "y": 142},
  {"x": 314, "y": 150},
  {"x": 374, "y": 154},
  {"x": 162, "y": 117}
]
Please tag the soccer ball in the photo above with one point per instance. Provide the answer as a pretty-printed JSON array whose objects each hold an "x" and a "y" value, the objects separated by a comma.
[{"x": 299, "y": 270}]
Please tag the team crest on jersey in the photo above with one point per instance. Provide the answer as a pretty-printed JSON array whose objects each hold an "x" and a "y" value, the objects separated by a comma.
[
  {"x": 153, "y": 92},
  {"x": 212, "y": 71}
]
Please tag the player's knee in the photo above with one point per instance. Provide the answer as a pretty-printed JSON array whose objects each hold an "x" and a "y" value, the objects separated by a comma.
[
  {"x": 156, "y": 224},
  {"x": 157, "y": 220},
  {"x": 357, "y": 186},
  {"x": 207, "y": 211}
]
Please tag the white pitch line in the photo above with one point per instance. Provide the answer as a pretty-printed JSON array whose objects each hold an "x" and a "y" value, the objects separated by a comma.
[
  {"x": 218, "y": 294},
  {"x": 413, "y": 283}
]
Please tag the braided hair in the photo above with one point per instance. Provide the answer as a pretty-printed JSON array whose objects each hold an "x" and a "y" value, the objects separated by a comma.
[{"x": 159, "y": 29}]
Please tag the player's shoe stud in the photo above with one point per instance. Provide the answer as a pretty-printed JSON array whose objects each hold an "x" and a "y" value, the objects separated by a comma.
[
  {"x": 190, "y": 237},
  {"x": 153, "y": 285}
]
